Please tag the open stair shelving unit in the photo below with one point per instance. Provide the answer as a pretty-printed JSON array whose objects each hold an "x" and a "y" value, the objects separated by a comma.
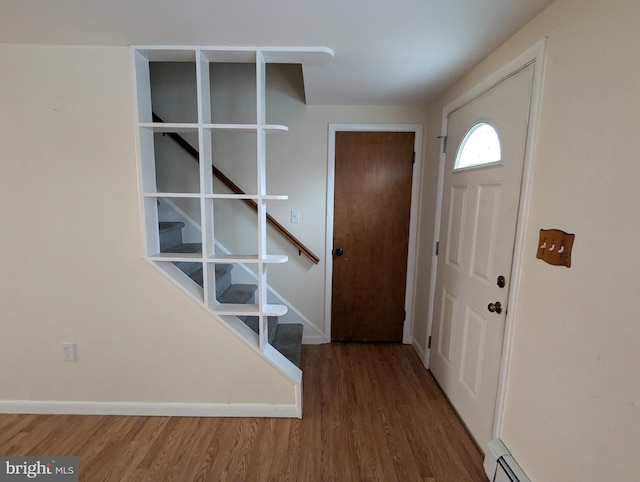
[{"x": 204, "y": 128}]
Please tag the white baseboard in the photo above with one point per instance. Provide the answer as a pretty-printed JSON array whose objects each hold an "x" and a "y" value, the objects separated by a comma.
[
  {"x": 149, "y": 409},
  {"x": 418, "y": 349},
  {"x": 313, "y": 339}
]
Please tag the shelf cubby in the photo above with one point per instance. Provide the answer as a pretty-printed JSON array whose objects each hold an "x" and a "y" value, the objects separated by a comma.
[
  {"x": 234, "y": 153},
  {"x": 230, "y": 82},
  {"x": 174, "y": 95}
]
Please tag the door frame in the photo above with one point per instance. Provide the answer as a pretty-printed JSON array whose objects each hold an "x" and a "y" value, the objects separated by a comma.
[
  {"x": 413, "y": 217},
  {"x": 535, "y": 54}
]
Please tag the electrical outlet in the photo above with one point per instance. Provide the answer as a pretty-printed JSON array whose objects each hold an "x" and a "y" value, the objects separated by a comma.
[
  {"x": 295, "y": 216},
  {"x": 69, "y": 352}
]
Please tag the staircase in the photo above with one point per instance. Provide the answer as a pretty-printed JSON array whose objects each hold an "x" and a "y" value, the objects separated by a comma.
[{"x": 286, "y": 338}]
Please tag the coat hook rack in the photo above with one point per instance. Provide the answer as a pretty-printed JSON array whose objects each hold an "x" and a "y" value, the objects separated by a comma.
[{"x": 554, "y": 247}]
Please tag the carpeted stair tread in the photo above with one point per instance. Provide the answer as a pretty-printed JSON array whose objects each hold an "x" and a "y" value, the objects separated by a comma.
[
  {"x": 165, "y": 226},
  {"x": 187, "y": 267},
  {"x": 223, "y": 277},
  {"x": 238, "y": 294},
  {"x": 198, "y": 277},
  {"x": 185, "y": 248},
  {"x": 222, "y": 269},
  {"x": 252, "y": 322},
  {"x": 288, "y": 341},
  {"x": 170, "y": 234}
]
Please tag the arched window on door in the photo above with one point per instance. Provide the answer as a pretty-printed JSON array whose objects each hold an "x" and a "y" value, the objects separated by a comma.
[{"x": 479, "y": 147}]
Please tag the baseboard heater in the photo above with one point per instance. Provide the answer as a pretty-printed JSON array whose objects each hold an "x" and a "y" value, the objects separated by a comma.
[{"x": 500, "y": 466}]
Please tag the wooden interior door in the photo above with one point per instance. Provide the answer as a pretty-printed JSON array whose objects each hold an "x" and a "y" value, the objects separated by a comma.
[{"x": 372, "y": 205}]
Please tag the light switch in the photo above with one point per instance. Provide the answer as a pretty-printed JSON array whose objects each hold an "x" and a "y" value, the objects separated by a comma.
[{"x": 295, "y": 216}]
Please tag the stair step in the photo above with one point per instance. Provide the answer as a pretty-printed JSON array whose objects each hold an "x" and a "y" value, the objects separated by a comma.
[
  {"x": 252, "y": 322},
  {"x": 165, "y": 226},
  {"x": 182, "y": 248},
  {"x": 198, "y": 277},
  {"x": 170, "y": 234},
  {"x": 186, "y": 248},
  {"x": 223, "y": 277},
  {"x": 288, "y": 341},
  {"x": 286, "y": 338},
  {"x": 222, "y": 269},
  {"x": 239, "y": 294}
]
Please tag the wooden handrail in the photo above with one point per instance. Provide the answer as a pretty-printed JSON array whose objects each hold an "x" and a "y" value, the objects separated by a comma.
[{"x": 181, "y": 141}]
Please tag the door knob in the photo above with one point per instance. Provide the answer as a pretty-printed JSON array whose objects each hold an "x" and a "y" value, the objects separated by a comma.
[
  {"x": 495, "y": 307},
  {"x": 339, "y": 251}
]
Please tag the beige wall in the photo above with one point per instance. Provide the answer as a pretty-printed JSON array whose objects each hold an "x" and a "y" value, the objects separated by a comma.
[
  {"x": 573, "y": 396},
  {"x": 71, "y": 254},
  {"x": 296, "y": 164}
]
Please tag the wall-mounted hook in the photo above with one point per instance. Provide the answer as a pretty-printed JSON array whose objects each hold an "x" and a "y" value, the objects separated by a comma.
[{"x": 558, "y": 239}]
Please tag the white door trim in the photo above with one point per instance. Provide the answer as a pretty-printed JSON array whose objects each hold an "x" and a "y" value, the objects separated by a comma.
[
  {"x": 413, "y": 220},
  {"x": 533, "y": 54}
]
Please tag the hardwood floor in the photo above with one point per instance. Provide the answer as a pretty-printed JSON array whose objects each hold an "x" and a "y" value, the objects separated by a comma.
[{"x": 371, "y": 413}]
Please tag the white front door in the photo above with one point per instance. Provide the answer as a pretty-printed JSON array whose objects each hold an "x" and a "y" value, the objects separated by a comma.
[{"x": 477, "y": 234}]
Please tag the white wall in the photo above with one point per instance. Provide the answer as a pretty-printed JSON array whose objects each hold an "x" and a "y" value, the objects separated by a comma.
[
  {"x": 71, "y": 252},
  {"x": 573, "y": 396}
]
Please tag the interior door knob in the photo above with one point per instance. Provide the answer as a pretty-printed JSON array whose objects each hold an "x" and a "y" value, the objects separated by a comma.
[
  {"x": 339, "y": 251},
  {"x": 495, "y": 307}
]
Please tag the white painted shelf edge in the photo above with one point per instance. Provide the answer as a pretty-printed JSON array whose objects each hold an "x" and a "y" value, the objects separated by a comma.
[
  {"x": 168, "y": 126},
  {"x": 193, "y": 127},
  {"x": 269, "y": 54},
  {"x": 248, "y": 258},
  {"x": 178, "y": 257},
  {"x": 236, "y": 309},
  {"x": 196, "y": 195},
  {"x": 266, "y": 197},
  {"x": 218, "y": 258},
  {"x": 189, "y": 195}
]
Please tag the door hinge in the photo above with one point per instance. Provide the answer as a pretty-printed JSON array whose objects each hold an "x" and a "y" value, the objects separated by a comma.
[
  {"x": 437, "y": 248},
  {"x": 429, "y": 343},
  {"x": 413, "y": 158},
  {"x": 444, "y": 143}
]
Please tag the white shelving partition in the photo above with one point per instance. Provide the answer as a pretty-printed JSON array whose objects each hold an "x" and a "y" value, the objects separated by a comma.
[{"x": 203, "y": 57}]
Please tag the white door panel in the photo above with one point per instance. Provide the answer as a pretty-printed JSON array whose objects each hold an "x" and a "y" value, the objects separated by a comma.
[{"x": 479, "y": 215}]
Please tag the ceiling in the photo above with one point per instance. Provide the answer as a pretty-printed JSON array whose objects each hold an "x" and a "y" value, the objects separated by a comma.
[{"x": 401, "y": 52}]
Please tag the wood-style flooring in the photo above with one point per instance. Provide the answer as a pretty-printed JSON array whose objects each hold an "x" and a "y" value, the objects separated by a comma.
[{"x": 371, "y": 413}]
